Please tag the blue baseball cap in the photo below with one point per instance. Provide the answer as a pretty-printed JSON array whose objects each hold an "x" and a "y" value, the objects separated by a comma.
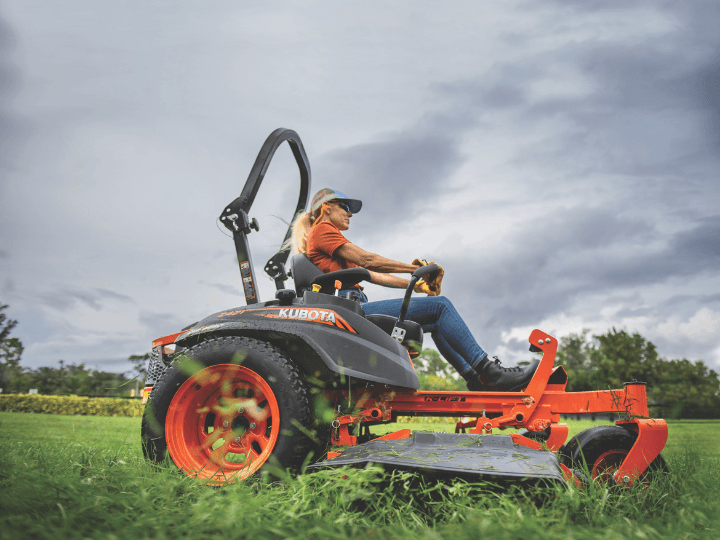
[{"x": 327, "y": 194}]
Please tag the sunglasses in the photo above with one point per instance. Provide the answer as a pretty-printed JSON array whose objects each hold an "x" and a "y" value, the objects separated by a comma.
[{"x": 343, "y": 206}]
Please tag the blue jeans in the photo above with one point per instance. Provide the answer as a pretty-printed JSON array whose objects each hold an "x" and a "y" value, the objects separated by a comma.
[{"x": 436, "y": 315}]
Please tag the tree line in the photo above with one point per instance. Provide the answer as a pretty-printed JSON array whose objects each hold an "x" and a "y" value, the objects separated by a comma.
[
  {"x": 67, "y": 379},
  {"x": 676, "y": 388}
]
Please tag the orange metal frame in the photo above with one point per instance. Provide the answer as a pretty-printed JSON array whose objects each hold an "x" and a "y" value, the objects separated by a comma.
[{"x": 538, "y": 407}]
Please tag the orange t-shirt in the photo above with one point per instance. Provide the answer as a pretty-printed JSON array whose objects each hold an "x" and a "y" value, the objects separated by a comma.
[{"x": 322, "y": 243}]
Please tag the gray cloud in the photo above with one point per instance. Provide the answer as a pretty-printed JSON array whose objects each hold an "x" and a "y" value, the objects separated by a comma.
[
  {"x": 93, "y": 298},
  {"x": 8, "y": 72},
  {"x": 400, "y": 172},
  {"x": 649, "y": 111},
  {"x": 596, "y": 5},
  {"x": 613, "y": 127},
  {"x": 628, "y": 128},
  {"x": 686, "y": 304},
  {"x": 8, "y": 85},
  {"x": 698, "y": 248},
  {"x": 708, "y": 84},
  {"x": 503, "y": 86},
  {"x": 546, "y": 267},
  {"x": 641, "y": 123},
  {"x": 161, "y": 324},
  {"x": 225, "y": 288}
]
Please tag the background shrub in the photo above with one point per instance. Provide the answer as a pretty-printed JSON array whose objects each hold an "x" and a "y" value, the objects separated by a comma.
[{"x": 32, "y": 403}]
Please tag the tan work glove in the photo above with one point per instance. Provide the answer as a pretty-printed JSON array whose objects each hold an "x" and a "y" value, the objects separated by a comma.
[
  {"x": 422, "y": 287},
  {"x": 434, "y": 285}
]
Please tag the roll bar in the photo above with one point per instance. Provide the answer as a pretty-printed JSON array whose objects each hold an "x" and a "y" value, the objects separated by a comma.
[{"x": 235, "y": 215}]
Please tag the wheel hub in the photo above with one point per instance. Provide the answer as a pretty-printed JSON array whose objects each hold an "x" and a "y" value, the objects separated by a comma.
[{"x": 240, "y": 425}]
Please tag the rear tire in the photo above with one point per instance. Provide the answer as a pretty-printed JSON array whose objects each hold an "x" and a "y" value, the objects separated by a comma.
[
  {"x": 603, "y": 449},
  {"x": 226, "y": 408}
]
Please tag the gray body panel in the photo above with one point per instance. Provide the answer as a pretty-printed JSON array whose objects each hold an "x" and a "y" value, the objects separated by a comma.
[{"x": 346, "y": 343}]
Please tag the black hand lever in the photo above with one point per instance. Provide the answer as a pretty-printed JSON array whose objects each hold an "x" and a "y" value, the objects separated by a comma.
[
  {"x": 423, "y": 271},
  {"x": 429, "y": 269}
]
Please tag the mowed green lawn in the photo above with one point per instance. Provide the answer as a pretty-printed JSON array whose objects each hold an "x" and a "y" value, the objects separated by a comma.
[
  {"x": 123, "y": 434},
  {"x": 84, "y": 477}
]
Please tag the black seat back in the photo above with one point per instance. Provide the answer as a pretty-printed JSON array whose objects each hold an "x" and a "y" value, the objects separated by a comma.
[
  {"x": 308, "y": 275},
  {"x": 304, "y": 273}
]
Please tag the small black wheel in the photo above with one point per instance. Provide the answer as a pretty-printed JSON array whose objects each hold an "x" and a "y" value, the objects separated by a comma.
[
  {"x": 227, "y": 407},
  {"x": 603, "y": 449}
]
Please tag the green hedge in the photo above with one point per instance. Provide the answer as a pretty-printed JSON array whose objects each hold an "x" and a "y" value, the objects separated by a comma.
[{"x": 33, "y": 403}]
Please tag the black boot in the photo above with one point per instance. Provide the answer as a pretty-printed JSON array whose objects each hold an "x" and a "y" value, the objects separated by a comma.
[
  {"x": 472, "y": 380},
  {"x": 494, "y": 378}
]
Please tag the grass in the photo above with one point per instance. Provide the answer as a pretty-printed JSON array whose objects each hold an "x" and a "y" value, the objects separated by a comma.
[{"x": 84, "y": 477}]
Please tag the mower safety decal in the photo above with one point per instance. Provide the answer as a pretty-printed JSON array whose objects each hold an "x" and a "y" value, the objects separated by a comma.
[
  {"x": 247, "y": 280},
  {"x": 314, "y": 315}
]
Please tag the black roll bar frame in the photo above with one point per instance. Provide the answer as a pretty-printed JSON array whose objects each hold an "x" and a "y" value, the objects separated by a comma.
[{"x": 235, "y": 215}]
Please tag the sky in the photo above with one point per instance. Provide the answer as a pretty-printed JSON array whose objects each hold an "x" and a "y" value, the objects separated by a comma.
[{"x": 559, "y": 159}]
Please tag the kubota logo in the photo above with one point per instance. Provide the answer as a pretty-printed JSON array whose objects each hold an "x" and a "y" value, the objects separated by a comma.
[
  {"x": 314, "y": 315},
  {"x": 307, "y": 314},
  {"x": 324, "y": 316}
]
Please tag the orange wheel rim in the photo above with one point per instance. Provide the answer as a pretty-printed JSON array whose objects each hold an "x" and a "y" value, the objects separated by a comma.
[
  {"x": 607, "y": 464},
  {"x": 222, "y": 424}
]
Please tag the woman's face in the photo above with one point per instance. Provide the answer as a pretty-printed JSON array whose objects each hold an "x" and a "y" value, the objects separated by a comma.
[{"x": 339, "y": 216}]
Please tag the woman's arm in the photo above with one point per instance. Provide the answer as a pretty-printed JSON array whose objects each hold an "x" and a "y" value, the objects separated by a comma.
[
  {"x": 375, "y": 263},
  {"x": 388, "y": 280}
]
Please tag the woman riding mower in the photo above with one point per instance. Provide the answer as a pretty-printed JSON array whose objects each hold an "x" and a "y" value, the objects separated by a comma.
[{"x": 317, "y": 234}]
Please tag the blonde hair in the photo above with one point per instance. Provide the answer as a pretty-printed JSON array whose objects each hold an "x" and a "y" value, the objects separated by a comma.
[
  {"x": 303, "y": 223},
  {"x": 301, "y": 227}
]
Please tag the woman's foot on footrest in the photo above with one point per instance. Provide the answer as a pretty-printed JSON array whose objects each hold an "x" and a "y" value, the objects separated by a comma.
[{"x": 492, "y": 377}]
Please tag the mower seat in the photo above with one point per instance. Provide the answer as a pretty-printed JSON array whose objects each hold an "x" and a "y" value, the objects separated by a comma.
[{"x": 306, "y": 274}]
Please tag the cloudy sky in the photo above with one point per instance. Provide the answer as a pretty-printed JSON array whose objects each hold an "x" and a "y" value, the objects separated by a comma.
[{"x": 560, "y": 159}]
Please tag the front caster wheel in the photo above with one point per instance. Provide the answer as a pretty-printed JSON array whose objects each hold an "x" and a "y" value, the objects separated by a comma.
[
  {"x": 226, "y": 408},
  {"x": 603, "y": 449}
]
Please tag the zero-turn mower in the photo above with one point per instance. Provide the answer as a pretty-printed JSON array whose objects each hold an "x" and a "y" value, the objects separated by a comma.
[{"x": 270, "y": 383}]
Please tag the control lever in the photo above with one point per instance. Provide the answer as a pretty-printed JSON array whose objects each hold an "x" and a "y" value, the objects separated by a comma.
[{"x": 429, "y": 269}]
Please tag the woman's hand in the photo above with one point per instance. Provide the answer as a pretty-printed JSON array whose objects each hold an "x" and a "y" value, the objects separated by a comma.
[
  {"x": 435, "y": 284},
  {"x": 422, "y": 287}
]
